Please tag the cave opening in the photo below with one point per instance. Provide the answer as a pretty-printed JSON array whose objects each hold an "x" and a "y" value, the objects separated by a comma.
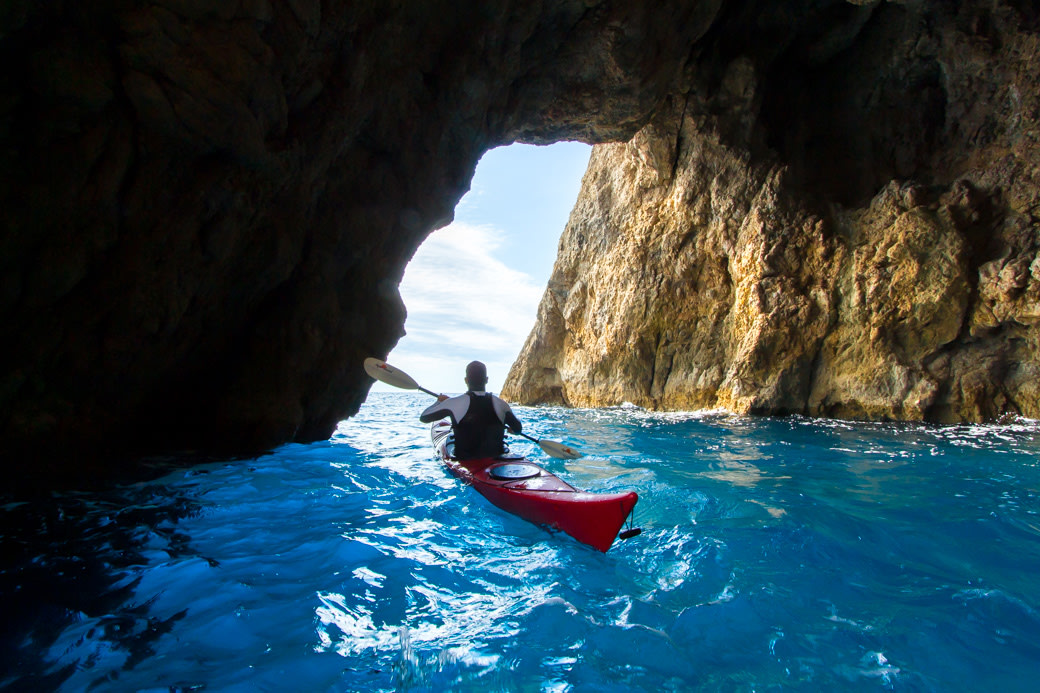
[{"x": 472, "y": 288}]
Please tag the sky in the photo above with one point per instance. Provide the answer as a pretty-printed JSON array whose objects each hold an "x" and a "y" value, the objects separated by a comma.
[{"x": 473, "y": 287}]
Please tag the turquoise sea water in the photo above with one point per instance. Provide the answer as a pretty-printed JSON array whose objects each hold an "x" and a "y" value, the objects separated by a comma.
[{"x": 776, "y": 554}]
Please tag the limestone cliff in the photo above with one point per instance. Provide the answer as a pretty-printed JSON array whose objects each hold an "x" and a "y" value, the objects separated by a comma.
[
  {"x": 207, "y": 206},
  {"x": 843, "y": 222}
]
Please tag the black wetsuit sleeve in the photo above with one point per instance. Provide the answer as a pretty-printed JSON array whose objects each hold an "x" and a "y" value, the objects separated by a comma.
[{"x": 514, "y": 423}]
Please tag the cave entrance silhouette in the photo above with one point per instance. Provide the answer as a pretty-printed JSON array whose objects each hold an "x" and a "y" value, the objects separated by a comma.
[{"x": 473, "y": 287}]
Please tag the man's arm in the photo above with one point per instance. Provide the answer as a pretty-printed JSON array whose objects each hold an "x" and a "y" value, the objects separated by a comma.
[
  {"x": 434, "y": 412},
  {"x": 506, "y": 415},
  {"x": 512, "y": 422},
  {"x": 454, "y": 407}
]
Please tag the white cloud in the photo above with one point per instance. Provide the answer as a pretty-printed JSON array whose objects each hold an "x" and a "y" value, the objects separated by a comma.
[{"x": 463, "y": 304}]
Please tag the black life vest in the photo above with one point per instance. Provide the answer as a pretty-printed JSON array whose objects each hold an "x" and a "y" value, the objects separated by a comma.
[{"x": 480, "y": 432}]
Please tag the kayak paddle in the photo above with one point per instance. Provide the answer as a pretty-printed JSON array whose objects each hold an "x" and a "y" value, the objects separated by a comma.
[
  {"x": 384, "y": 372},
  {"x": 552, "y": 448}
]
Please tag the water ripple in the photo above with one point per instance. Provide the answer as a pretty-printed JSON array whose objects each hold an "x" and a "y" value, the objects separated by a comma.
[{"x": 776, "y": 554}]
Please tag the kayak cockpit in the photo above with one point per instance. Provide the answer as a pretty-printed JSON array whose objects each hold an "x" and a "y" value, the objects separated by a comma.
[
  {"x": 513, "y": 471},
  {"x": 523, "y": 488}
]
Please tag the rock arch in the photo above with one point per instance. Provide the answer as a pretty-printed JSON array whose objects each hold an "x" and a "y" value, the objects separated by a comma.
[{"x": 208, "y": 206}]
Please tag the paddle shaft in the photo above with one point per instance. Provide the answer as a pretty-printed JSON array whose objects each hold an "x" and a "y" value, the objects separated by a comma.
[
  {"x": 429, "y": 392},
  {"x": 543, "y": 444},
  {"x": 531, "y": 438},
  {"x": 384, "y": 372}
]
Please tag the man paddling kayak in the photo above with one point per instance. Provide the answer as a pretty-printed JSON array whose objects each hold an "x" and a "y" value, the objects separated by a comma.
[
  {"x": 478, "y": 418},
  {"x": 515, "y": 484}
]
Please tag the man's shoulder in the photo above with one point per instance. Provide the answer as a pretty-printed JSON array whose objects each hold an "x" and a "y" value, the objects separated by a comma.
[
  {"x": 442, "y": 403},
  {"x": 499, "y": 402}
]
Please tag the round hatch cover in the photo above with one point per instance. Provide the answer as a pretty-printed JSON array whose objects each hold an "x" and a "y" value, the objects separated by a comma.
[{"x": 514, "y": 471}]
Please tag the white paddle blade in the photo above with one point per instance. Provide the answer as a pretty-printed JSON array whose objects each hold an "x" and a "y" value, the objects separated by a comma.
[
  {"x": 558, "y": 450},
  {"x": 384, "y": 372}
]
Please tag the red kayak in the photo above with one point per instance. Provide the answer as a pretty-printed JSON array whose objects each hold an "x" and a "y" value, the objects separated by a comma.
[{"x": 517, "y": 485}]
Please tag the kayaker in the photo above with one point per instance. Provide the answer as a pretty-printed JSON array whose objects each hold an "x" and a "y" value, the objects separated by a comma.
[{"x": 478, "y": 418}]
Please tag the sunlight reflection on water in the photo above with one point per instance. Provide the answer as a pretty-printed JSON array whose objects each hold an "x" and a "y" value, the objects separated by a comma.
[{"x": 776, "y": 553}]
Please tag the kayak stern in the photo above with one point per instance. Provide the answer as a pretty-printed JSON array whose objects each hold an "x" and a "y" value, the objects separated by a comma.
[{"x": 541, "y": 497}]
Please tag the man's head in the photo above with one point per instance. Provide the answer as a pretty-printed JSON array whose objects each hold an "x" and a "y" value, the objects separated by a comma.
[{"x": 476, "y": 375}]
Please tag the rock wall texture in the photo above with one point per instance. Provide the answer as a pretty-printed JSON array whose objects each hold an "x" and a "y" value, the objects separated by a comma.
[
  {"x": 842, "y": 220},
  {"x": 207, "y": 206}
]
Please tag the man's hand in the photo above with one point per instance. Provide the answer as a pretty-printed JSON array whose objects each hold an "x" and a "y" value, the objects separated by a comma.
[{"x": 441, "y": 398}]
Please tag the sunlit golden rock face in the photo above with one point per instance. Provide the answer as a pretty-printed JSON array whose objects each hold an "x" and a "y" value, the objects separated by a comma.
[
  {"x": 208, "y": 207},
  {"x": 845, "y": 226}
]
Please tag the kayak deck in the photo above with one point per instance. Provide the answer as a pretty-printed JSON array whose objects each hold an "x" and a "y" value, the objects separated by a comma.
[{"x": 523, "y": 488}]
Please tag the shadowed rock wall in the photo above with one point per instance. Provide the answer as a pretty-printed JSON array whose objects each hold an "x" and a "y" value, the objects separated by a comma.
[
  {"x": 840, "y": 219},
  {"x": 208, "y": 206}
]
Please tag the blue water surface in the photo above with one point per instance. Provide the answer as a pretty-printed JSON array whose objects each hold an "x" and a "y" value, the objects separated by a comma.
[{"x": 776, "y": 554}]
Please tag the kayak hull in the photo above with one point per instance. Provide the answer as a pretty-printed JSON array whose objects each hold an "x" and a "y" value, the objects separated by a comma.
[{"x": 519, "y": 486}]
